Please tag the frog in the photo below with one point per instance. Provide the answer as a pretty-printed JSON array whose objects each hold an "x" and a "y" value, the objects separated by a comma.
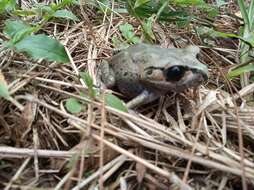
[{"x": 144, "y": 72}]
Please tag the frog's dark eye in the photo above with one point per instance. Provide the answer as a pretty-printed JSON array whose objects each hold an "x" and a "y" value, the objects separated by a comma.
[{"x": 174, "y": 73}]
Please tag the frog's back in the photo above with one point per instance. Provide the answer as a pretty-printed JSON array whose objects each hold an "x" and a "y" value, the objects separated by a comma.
[
  {"x": 153, "y": 55},
  {"x": 146, "y": 55}
]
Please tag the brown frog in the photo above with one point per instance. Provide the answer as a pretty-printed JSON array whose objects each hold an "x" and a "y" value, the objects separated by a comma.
[{"x": 145, "y": 72}]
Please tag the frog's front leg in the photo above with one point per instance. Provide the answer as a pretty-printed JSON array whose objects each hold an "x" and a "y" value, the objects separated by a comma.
[
  {"x": 106, "y": 75},
  {"x": 143, "y": 98}
]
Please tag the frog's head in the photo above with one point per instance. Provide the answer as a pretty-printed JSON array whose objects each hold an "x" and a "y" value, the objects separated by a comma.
[{"x": 183, "y": 70}]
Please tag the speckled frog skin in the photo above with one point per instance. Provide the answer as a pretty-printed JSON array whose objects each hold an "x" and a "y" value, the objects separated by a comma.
[{"x": 148, "y": 71}]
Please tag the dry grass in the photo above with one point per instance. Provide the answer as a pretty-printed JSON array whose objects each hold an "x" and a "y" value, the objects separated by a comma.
[{"x": 196, "y": 140}]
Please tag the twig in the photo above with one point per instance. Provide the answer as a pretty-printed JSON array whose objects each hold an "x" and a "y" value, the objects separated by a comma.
[
  {"x": 11, "y": 152},
  {"x": 103, "y": 122},
  {"x": 171, "y": 176},
  {"x": 64, "y": 179},
  {"x": 18, "y": 173},
  {"x": 97, "y": 173},
  {"x": 36, "y": 162}
]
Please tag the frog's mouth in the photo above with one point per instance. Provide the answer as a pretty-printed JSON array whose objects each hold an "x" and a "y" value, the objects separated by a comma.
[{"x": 176, "y": 78}]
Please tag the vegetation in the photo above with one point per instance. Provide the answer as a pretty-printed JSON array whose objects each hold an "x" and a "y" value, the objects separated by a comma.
[{"x": 60, "y": 129}]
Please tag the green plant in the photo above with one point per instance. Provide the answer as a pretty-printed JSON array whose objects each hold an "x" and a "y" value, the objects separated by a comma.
[
  {"x": 161, "y": 8},
  {"x": 39, "y": 46},
  {"x": 145, "y": 9},
  {"x": 246, "y": 44},
  {"x": 75, "y": 106},
  {"x": 7, "y": 5},
  {"x": 147, "y": 28},
  {"x": 129, "y": 37},
  {"x": 22, "y": 37},
  {"x": 4, "y": 92},
  {"x": 47, "y": 12},
  {"x": 127, "y": 32}
]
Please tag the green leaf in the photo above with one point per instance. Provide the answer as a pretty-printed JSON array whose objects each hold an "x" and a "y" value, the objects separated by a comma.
[
  {"x": 43, "y": 9},
  {"x": 64, "y": 3},
  {"x": 103, "y": 5},
  {"x": 244, "y": 13},
  {"x": 89, "y": 83},
  {"x": 65, "y": 14},
  {"x": 182, "y": 23},
  {"x": 206, "y": 31},
  {"x": 115, "y": 102},
  {"x": 127, "y": 31},
  {"x": 73, "y": 106},
  {"x": 4, "y": 91},
  {"x": 189, "y": 2},
  {"x": 249, "y": 38},
  {"x": 148, "y": 28},
  {"x": 7, "y": 5},
  {"x": 212, "y": 12},
  {"x": 117, "y": 43},
  {"x": 220, "y": 3},
  {"x": 160, "y": 8},
  {"x": 43, "y": 47},
  {"x": 250, "y": 14},
  {"x": 240, "y": 70},
  {"x": 16, "y": 29},
  {"x": 138, "y": 3},
  {"x": 24, "y": 13}
]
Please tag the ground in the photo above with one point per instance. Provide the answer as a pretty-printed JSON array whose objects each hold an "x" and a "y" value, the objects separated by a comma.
[{"x": 199, "y": 139}]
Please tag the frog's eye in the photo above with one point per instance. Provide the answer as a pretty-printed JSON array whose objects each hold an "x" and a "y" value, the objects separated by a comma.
[{"x": 174, "y": 73}]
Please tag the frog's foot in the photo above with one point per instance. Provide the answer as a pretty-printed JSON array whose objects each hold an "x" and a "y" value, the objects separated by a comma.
[{"x": 143, "y": 98}]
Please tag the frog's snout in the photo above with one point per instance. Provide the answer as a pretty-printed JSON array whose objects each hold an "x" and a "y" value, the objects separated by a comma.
[{"x": 205, "y": 76}]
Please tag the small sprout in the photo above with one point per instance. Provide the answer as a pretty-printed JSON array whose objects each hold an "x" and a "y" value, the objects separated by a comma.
[
  {"x": 114, "y": 102},
  {"x": 73, "y": 106},
  {"x": 127, "y": 31},
  {"x": 89, "y": 83}
]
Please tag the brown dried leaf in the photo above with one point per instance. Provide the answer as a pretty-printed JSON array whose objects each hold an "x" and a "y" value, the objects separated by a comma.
[
  {"x": 2, "y": 79},
  {"x": 28, "y": 115},
  {"x": 141, "y": 170},
  {"x": 26, "y": 120}
]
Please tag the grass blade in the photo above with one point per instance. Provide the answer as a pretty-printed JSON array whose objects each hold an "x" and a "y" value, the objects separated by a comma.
[
  {"x": 251, "y": 15},
  {"x": 244, "y": 13}
]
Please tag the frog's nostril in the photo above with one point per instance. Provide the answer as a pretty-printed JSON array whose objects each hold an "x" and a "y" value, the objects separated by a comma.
[{"x": 174, "y": 73}]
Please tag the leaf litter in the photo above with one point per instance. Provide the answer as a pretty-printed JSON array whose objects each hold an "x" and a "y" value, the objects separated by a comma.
[{"x": 189, "y": 141}]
